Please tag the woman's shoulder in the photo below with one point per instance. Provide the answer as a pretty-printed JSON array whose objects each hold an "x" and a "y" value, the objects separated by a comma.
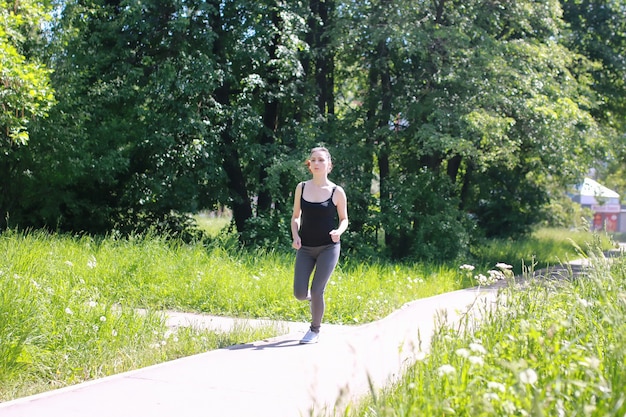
[
  {"x": 338, "y": 190},
  {"x": 337, "y": 187}
]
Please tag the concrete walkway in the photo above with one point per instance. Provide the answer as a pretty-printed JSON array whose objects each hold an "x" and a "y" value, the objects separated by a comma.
[{"x": 277, "y": 377}]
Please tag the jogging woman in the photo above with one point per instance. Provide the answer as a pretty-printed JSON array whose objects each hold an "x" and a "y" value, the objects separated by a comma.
[{"x": 320, "y": 216}]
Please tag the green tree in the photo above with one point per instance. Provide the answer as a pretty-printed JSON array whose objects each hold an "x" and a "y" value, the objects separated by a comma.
[
  {"x": 130, "y": 144},
  {"x": 25, "y": 91},
  {"x": 447, "y": 119},
  {"x": 477, "y": 95},
  {"x": 598, "y": 31}
]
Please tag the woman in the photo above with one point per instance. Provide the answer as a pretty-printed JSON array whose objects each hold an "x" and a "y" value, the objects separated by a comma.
[{"x": 320, "y": 216}]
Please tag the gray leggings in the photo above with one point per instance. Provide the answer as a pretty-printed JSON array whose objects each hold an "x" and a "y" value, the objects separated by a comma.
[{"x": 323, "y": 259}]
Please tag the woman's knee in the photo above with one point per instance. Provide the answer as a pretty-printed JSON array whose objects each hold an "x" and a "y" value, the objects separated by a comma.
[
  {"x": 300, "y": 297},
  {"x": 301, "y": 294}
]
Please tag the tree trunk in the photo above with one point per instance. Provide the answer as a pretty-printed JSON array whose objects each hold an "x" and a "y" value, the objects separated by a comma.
[
  {"x": 237, "y": 189},
  {"x": 270, "y": 121},
  {"x": 324, "y": 67}
]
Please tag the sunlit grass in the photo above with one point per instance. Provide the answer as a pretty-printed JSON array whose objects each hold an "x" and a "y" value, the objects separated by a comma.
[
  {"x": 544, "y": 247},
  {"x": 69, "y": 303},
  {"x": 552, "y": 349},
  {"x": 211, "y": 223}
]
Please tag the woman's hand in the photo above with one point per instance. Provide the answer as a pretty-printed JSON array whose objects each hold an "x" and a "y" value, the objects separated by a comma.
[
  {"x": 297, "y": 243},
  {"x": 335, "y": 235}
]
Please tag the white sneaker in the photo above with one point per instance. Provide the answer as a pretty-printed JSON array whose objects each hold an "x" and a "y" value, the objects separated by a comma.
[{"x": 310, "y": 337}]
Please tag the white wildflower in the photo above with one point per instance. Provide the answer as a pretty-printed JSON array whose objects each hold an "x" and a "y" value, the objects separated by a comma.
[
  {"x": 509, "y": 408},
  {"x": 69, "y": 263},
  {"x": 481, "y": 279},
  {"x": 477, "y": 348},
  {"x": 462, "y": 352},
  {"x": 92, "y": 303},
  {"x": 92, "y": 263},
  {"x": 103, "y": 319},
  {"x": 476, "y": 360},
  {"x": 446, "y": 370},
  {"x": 490, "y": 396},
  {"x": 529, "y": 376},
  {"x": 496, "y": 386},
  {"x": 114, "y": 333},
  {"x": 495, "y": 275},
  {"x": 467, "y": 267},
  {"x": 68, "y": 311},
  {"x": 503, "y": 266}
]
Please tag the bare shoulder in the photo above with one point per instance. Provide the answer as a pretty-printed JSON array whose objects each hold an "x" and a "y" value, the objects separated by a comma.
[
  {"x": 340, "y": 194},
  {"x": 300, "y": 185}
]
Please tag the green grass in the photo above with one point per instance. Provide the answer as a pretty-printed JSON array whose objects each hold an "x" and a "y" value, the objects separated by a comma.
[
  {"x": 212, "y": 224},
  {"x": 544, "y": 247},
  {"x": 553, "y": 349},
  {"x": 68, "y": 306}
]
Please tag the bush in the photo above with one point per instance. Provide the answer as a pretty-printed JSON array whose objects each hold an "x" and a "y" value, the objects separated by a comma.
[{"x": 424, "y": 221}]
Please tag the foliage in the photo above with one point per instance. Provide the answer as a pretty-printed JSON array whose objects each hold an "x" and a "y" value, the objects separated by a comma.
[
  {"x": 599, "y": 32},
  {"x": 426, "y": 223},
  {"x": 26, "y": 93},
  {"x": 25, "y": 90},
  {"x": 472, "y": 116},
  {"x": 550, "y": 348}
]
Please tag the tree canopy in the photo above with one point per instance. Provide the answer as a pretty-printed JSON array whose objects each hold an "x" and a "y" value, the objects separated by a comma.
[{"x": 447, "y": 120}]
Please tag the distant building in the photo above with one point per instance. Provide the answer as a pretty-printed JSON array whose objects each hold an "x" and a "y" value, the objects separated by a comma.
[{"x": 603, "y": 202}]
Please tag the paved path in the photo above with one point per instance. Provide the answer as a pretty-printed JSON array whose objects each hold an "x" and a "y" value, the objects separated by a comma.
[{"x": 274, "y": 378}]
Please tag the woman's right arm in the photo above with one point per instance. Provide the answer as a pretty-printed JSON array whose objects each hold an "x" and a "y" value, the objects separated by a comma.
[{"x": 295, "y": 218}]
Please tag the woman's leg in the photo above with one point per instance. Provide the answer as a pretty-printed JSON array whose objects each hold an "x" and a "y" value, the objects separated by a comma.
[
  {"x": 305, "y": 262},
  {"x": 326, "y": 261}
]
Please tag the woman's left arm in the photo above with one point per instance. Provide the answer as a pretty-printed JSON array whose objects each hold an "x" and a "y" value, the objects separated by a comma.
[{"x": 341, "y": 202}]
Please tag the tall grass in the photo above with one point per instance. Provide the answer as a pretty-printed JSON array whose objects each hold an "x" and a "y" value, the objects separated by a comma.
[
  {"x": 553, "y": 349},
  {"x": 68, "y": 304},
  {"x": 543, "y": 248},
  {"x": 68, "y": 308}
]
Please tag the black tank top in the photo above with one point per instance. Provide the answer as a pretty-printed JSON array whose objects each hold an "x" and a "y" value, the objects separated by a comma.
[{"x": 318, "y": 219}]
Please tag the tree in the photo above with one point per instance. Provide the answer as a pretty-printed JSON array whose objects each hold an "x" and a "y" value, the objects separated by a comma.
[
  {"x": 129, "y": 145},
  {"x": 478, "y": 104},
  {"x": 598, "y": 31},
  {"x": 447, "y": 119},
  {"x": 25, "y": 93}
]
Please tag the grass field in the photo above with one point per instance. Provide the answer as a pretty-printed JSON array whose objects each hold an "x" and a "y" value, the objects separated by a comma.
[
  {"x": 551, "y": 349},
  {"x": 69, "y": 303}
]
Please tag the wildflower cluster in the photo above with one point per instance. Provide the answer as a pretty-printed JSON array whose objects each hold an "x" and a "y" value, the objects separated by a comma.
[{"x": 502, "y": 271}]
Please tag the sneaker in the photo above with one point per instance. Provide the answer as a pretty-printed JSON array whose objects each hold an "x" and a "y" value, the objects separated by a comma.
[{"x": 310, "y": 337}]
